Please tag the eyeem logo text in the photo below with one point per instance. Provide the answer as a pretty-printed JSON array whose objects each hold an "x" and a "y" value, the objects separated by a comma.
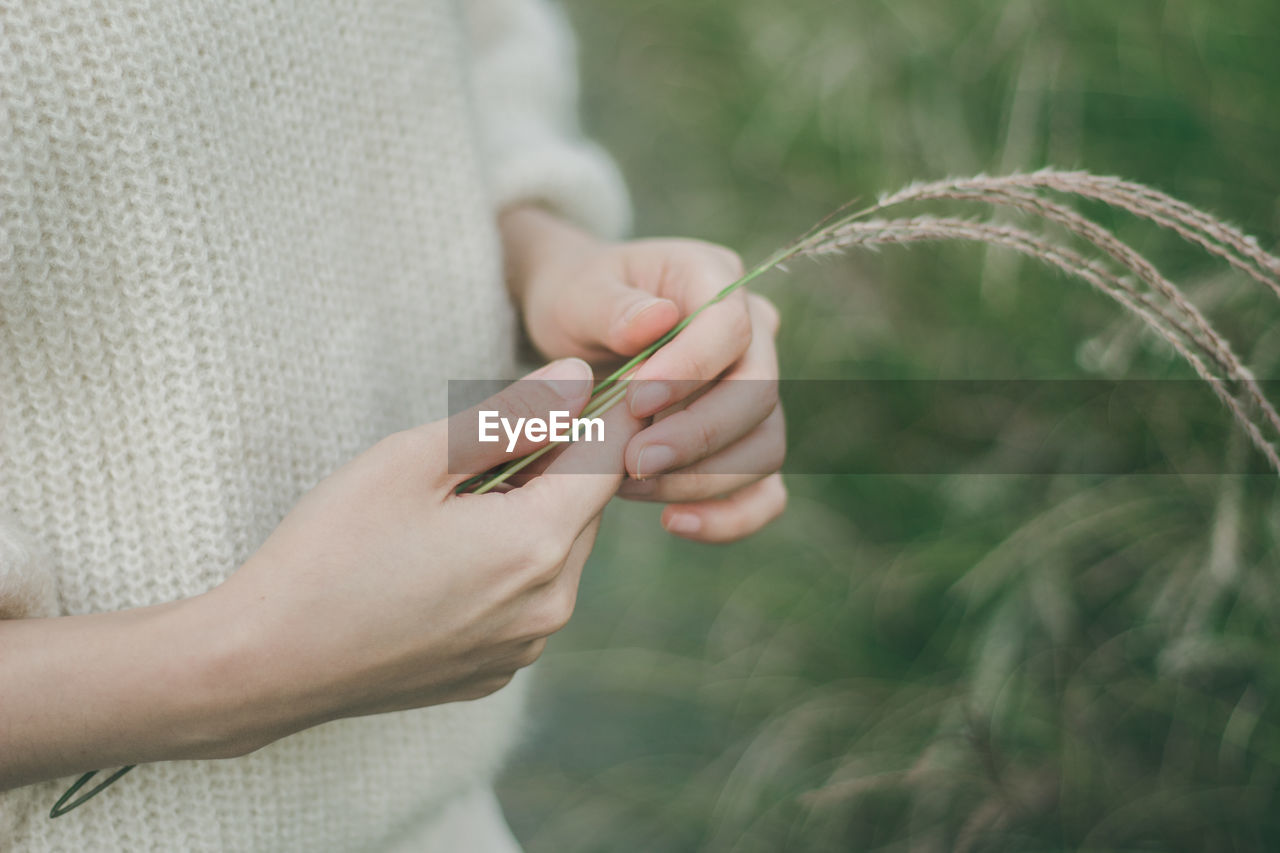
[{"x": 558, "y": 427}]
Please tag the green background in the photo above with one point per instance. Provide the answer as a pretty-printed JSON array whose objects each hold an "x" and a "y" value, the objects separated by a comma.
[{"x": 951, "y": 662}]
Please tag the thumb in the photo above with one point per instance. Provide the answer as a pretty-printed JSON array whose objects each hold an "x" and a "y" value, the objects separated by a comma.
[
  {"x": 597, "y": 470},
  {"x": 506, "y": 426},
  {"x": 616, "y": 317}
]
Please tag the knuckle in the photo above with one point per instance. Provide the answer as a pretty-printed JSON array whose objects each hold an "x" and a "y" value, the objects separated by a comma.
[
  {"x": 767, "y": 312},
  {"x": 557, "y": 609},
  {"x": 770, "y": 458},
  {"x": 686, "y": 366},
  {"x": 497, "y": 682},
  {"x": 549, "y": 615},
  {"x": 544, "y": 554},
  {"x": 704, "y": 437},
  {"x": 777, "y": 457},
  {"x": 769, "y": 399},
  {"x": 730, "y": 260},
  {"x": 778, "y": 496},
  {"x": 696, "y": 367},
  {"x": 776, "y": 426},
  {"x": 530, "y": 653},
  {"x": 740, "y": 324},
  {"x": 560, "y": 615},
  {"x": 487, "y": 686}
]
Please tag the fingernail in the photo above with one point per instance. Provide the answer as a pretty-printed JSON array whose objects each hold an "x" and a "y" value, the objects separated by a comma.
[
  {"x": 650, "y": 397},
  {"x": 684, "y": 522},
  {"x": 568, "y": 377},
  {"x": 637, "y": 309},
  {"x": 654, "y": 459}
]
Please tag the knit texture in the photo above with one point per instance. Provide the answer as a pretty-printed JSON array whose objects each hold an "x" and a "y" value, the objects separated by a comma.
[{"x": 240, "y": 242}]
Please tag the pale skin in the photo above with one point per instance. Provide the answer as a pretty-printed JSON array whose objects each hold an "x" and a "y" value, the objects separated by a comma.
[
  {"x": 602, "y": 302},
  {"x": 384, "y": 590}
]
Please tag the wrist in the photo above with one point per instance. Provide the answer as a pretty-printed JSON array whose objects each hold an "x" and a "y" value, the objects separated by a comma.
[
  {"x": 535, "y": 242},
  {"x": 157, "y": 683},
  {"x": 246, "y": 692},
  {"x": 211, "y": 691}
]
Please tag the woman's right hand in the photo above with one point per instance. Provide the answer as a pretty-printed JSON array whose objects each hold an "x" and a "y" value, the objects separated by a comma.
[
  {"x": 381, "y": 590},
  {"x": 384, "y": 590}
]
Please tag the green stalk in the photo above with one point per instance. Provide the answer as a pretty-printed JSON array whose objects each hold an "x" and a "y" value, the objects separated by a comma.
[{"x": 597, "y": 406}]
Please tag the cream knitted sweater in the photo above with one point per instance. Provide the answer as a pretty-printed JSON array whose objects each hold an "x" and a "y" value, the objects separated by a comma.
[{"x": 241, "y": 241}]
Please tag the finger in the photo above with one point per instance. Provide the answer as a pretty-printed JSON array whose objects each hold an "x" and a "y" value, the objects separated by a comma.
[
  {"x": 571, "y": 576},
  {"x": 500, "y": 429},
  {"x": 729, "y": 410},
  {"x": 547, "y": 607},
  {"x": 712, "y": 341},
  {"x": 755, "y": 457},
  {"x": 615, "y": 318},
  {"x": 740, "y": 514},
  {"x": 764, "y": 313},
  {"x": 584, "y": 476}
]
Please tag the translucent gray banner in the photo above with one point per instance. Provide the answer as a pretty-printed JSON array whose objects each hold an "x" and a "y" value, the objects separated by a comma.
[{"x": 1169, "y": 427}]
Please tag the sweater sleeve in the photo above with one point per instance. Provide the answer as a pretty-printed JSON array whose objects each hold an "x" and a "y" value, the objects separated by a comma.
[
  {"x": 525, "y": 86},
  {"x": 26, "y": 584}
]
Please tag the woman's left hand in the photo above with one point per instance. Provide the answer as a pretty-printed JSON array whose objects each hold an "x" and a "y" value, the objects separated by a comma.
[{"x": 717, "y": 440}]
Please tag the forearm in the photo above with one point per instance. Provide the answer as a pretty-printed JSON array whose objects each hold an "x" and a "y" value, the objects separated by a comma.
[{"x": 149, "y": 684}]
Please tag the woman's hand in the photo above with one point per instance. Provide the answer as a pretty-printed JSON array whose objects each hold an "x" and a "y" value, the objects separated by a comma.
[
  {"x": 717, "y": 442},
  {"x": 383, "y": 589}
]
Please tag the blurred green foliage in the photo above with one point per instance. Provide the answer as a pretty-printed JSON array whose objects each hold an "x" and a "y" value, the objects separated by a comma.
[{"x": 980, "y": 663}]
